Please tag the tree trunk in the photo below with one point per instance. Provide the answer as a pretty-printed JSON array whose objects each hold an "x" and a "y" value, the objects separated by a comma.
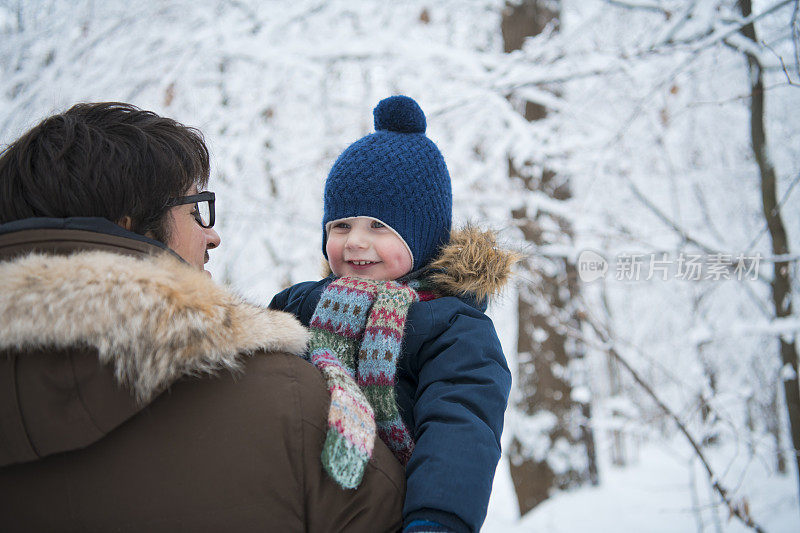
[
  {"x": 773, "y": 418},
  {"x": 619, "y": 457},
  {"x": 781, "y": 280},
  {"x": 550, "y": 362}
]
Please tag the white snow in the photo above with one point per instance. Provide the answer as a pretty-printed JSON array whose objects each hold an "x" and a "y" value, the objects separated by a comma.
[
  {"x": 653, "y": 142},
  {"x": 787, "y": 373},
  {"x": 664, "y": 492},
  {"x": 581, "y": 394}
]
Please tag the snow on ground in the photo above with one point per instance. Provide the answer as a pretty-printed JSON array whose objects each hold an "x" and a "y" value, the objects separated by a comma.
[{"x": 653, "y": 495}]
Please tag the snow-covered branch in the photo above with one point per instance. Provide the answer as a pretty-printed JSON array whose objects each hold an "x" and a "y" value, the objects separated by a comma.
[
  {"x": 740, "y": 512},
  {"x": 632, "y": 4}
]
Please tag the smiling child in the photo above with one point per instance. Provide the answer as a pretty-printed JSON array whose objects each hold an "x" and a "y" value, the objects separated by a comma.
[{"x": 398, "y": 328}]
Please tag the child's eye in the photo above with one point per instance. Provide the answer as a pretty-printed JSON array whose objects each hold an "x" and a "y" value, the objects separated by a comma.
[
  {"x": 341, "y": 225},
  {"x": 376, "y": 224}
]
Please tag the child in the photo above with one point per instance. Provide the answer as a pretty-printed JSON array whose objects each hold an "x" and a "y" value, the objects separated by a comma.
[{"x": 399, "y": 328}]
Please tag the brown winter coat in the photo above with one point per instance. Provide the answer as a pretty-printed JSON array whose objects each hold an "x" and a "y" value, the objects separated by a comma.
[{"x": 138, "y": 395}]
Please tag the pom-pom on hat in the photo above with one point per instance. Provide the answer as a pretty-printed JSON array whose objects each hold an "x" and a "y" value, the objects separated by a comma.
[{"x": 396, "y": 175}]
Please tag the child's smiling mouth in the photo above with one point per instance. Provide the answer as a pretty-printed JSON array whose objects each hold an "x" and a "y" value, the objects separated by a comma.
[{"x": 361, "y": 264}]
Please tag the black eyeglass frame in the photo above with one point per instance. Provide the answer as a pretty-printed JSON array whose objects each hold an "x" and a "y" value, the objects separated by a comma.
[{"x": 206, "y": 196}]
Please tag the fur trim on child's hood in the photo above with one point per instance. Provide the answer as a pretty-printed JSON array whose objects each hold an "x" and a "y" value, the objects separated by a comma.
[{"x": 472, "y": 264}]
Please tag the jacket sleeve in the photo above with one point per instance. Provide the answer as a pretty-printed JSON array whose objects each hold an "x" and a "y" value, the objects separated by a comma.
[
  {"x": 463, "y": 389},
  {"x": 281, "y": 300},
  {"x": 300, "y": 299}
]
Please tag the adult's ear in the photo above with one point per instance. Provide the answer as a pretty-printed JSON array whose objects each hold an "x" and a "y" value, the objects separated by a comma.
[{"x": 126, "y": 222}]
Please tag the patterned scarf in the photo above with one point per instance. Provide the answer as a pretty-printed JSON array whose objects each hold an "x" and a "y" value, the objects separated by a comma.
[{"x": 356, "y": 337}]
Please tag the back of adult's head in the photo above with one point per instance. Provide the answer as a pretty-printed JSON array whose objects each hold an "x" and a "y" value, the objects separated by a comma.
[{"x": 109, "y": 160}]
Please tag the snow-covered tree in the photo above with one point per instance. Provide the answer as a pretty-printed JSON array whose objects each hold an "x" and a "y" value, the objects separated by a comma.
[{"x": 623, "y": 128}]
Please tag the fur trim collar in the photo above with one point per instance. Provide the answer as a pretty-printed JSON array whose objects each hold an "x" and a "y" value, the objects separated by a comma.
[
  {"x": 472, "y": 264},
  {"x": 153, "y": 318}
]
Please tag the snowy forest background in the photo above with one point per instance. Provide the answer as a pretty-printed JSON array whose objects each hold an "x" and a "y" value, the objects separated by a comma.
[{"x": 626, "y": 127}]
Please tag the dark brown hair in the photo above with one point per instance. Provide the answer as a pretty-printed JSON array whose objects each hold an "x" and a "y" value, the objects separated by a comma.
[{"x": 108, "y": 160}]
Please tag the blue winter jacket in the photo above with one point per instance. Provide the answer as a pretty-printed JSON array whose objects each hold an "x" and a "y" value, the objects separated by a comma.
[{"x": 452, "y": 389}]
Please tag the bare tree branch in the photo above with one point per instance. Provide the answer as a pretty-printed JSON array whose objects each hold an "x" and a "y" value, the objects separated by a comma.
[
  {"x": 684, "y": 235},
  {"x": 783, "y": 65},
  {"x": 698, "y": 44},
  {"x": 736, "y": 510},
  {"x": 680, "y": 21},
  {"x": 796, "y": 35},
  {"x": 776, "y": 210},
  {"x": 708, "y": 249},
  {"x": 713, "y": 36},
  {"x": 648, "y": 6}
]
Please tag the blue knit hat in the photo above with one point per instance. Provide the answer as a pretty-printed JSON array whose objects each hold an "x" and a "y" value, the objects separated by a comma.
[{"x": 396, "y": 175}]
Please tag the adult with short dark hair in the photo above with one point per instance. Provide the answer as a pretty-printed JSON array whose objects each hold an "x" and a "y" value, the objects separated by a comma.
[{"x": 135, "y": 393}]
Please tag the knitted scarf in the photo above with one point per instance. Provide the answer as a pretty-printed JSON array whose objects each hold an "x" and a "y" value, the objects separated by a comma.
[{"x": 356, "y": 337}]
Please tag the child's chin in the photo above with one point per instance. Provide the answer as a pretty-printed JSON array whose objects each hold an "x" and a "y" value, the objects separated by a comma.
[{"x": 374, "y": 274}]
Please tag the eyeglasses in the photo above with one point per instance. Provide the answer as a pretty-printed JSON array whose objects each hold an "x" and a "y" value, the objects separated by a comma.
[{"x": 203, "y": 206}]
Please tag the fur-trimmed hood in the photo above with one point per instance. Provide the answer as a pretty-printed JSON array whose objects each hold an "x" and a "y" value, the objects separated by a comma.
[
  {"x": 153, "y": 319},
  {"x": 472, "y": 264}
]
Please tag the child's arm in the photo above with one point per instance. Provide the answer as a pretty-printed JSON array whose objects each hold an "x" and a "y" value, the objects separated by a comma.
[
  {"x": 280, "y": 300},
  {"x": 462, "y": 394}
]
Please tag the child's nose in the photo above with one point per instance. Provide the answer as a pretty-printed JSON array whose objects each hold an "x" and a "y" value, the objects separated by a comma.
[{"x": 357, "y": 239}]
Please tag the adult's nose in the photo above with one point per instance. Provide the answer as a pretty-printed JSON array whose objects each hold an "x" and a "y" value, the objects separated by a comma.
[{"x": 212, "y": 238}]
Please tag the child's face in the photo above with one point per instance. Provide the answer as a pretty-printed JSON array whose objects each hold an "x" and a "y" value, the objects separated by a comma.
[{"x": 366, "y": 248}]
